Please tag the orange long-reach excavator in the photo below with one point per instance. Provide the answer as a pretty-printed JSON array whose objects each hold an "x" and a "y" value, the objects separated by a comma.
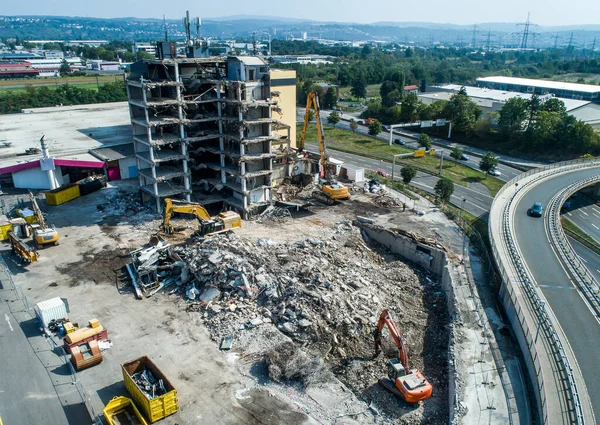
[{"x": 408, "y": 384}]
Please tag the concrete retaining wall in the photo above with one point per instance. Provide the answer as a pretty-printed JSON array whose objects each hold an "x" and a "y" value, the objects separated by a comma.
[{"x": 431, "y": 257}]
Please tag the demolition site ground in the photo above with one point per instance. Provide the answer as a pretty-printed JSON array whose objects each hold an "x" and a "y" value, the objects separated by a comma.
[{"x": 299, "y": 295}]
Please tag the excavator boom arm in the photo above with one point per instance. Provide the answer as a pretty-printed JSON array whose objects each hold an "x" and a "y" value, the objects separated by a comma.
[
  {"x": 312, "y": 100},
  {"x": 385, "y": 319},
  {"x": 172, "y": 206},
  {"x": 37, "y": 211}
]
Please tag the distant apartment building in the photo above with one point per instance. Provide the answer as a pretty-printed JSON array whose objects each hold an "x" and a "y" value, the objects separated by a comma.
[
  {"x": 54, "y": 54},
  {"x": 211, "y": 130}
]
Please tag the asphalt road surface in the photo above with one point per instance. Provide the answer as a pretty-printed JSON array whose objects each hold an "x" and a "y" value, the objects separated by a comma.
[
  {"x": 477, "y": 199},
  {"x": 577, "y": 321},
  {"x": 585, "y": 214}
]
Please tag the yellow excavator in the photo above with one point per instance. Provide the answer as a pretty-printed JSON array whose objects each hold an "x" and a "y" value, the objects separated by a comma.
[
  {"x": 22, "y": 250},
  {"x": 329, "y": 189},
  {"x": 227, "y": 220},
  {"x": 42, "y": 234}
]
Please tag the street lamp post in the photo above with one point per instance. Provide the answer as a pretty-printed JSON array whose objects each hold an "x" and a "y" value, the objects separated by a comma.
[
  {"x": 463, "y": 222},
  {"x": 441, "y": 161}
]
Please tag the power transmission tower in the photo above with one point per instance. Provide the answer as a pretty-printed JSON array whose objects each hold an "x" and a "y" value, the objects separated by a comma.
[
  {"x": 570, "y": 46},
  {"x": 489, "y": 39},
  {"x": 592, "y": 53},
  {"x": 474, "y": 42},
  {"x": 555, "y": 41},
  {"x": 525, "y": 33}
]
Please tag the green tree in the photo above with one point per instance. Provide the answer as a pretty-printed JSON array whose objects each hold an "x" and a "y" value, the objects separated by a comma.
[
  {"x": 375, "y": 128},
  {"x": 359, "y": 88},
  {"x": 408, "y": 173},
  {"x": 333, "y": 118},
  {"x": 488, "y": 162},
  {"x": 554, "y": 105},
  {"x": 456, "y": 152},
  {"x": 425, "y": 141},
  {"x": 65, "y": 68},
  {"x": 444, "y": 189},
  {"x": 512, "y": 115},
  {"x": 331, "y": 98},
  {"x": 409, "y": 107},
  {"x": 463, "y": 112},
  {"x": 533, "y": 107},
  {"x": 353, "y": 125}
]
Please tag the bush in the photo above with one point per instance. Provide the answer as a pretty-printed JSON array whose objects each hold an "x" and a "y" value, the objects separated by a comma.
[{"x": 408, "y": 173}]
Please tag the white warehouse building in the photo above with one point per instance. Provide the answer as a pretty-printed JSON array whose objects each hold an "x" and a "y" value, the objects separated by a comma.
[{"x": 490, "y": 100}]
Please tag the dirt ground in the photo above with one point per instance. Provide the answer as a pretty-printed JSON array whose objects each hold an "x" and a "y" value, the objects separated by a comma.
[{"x": 99, "y": 230}]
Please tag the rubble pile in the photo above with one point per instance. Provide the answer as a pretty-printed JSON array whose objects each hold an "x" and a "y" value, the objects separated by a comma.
[
  {"x": 323, "y": 294},
  {"x": 373, "y": 186},
  {"x": 273, "y": 213},
  {"x": 383, "y": 199},
  {"x": 124, "y": 203}
]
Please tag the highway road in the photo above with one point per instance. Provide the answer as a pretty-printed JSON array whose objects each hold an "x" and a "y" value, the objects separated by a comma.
[
  {"x": 585, "y": 214},
  {"x": 589, "y": 258},
  {"x": 577, "y": 321},
  {"x": 410, "y": 138}
]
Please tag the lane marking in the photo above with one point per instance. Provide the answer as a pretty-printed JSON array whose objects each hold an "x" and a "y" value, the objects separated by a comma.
[
  {"x": 583, "y": 259},
  {"x": 595, "y": 215},
  {"x": 597, "y": 228},
  {"x": 583, "y": 212},
  {"x": 8, "y": 321}
]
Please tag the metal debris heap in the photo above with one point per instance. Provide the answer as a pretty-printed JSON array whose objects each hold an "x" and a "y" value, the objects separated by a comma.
[{"x": 149, "y": 385}]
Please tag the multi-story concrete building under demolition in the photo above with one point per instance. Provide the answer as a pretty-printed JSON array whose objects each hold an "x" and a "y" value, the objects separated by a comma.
[{"x": 209, "y": 130}]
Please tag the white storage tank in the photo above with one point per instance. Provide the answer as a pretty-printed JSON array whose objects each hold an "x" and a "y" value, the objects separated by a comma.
[{"x": 52, "y": 309}]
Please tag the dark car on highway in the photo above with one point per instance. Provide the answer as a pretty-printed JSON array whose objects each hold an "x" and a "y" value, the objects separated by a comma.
[
  {"x": 399, "y": 142},
  {"x": 535, "y": 210}
]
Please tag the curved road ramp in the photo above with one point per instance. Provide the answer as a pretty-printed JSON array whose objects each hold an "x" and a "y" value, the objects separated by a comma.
[{"x": 549, "y": 296}]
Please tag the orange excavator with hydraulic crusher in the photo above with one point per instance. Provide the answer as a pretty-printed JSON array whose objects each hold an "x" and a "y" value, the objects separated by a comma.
[{"x": 408, "y": 384}]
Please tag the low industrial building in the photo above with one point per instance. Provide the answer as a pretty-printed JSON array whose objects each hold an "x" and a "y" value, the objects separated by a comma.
[
  {"x": 587, "y": 92},
  {"x": 490, "y": 100},
  {"x": 119, "y": 160},
  {"x": 17, "y": 70},
  {"x": 210, "y": 129},
  {"x": 33, "y": 173}
]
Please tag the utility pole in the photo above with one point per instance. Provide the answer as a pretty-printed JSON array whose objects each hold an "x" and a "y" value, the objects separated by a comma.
[
  {"x": 441, "y": 162},
  {"x": 165, "y": 28}
]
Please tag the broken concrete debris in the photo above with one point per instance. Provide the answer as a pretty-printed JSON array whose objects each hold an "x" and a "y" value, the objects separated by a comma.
[{"x": 322, "y": 293}]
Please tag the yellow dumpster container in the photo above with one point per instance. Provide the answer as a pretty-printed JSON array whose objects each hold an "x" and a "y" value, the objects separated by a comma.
[
  {"x": 5, "y": 227},
  {"x": 154, "y": 408},
  {"x": 122, "y": 411},
  {"x": 63, "y": 194}
]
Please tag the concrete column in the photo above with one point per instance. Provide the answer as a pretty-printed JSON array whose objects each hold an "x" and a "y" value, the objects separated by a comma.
[{"x": 186, "y": 177}]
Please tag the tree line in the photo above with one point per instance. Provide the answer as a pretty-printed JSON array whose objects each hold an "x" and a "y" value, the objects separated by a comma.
[{"x": 36, "y": 97}]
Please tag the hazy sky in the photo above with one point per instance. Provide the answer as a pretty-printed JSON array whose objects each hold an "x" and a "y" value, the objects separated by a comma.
[{"x": 543, "y": 12}]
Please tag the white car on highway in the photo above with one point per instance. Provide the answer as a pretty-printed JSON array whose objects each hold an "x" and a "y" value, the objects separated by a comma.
[{"x": 494, "y": 172}]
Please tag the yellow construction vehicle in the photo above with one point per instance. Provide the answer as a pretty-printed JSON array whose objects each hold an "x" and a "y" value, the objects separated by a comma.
[
  {"x": 20, "y": 248},
  {"x": 42, "y": 234},
  {"x": 225, "y": 221},
  {"x": 329, "y": 189}
]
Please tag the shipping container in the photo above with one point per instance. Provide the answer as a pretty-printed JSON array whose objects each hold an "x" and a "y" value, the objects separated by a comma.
[
  {"x": 52, "y": 309},
  {"x": 63, "y": 194},
  {"x": 153, "y": 408},
  {"x": 122, "y": 411}
]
